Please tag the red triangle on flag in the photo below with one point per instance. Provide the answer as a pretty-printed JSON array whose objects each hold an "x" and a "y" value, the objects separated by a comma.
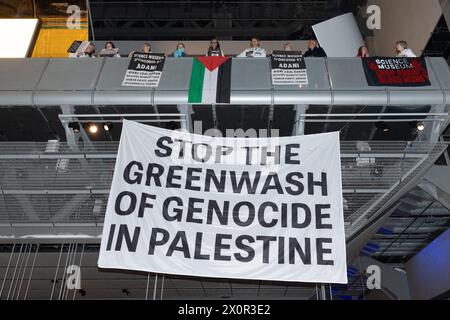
[{"x": 212, "y": 63}]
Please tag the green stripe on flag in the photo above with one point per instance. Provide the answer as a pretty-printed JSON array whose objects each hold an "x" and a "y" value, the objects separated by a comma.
[{"x": 196, "y": 83}]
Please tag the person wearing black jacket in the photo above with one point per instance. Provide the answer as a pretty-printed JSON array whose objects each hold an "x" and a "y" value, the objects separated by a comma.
[{"x": 314, "y": 50}]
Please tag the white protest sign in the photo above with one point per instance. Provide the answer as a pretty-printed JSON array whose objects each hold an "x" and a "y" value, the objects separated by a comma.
[{"x": 246, "y": 208}]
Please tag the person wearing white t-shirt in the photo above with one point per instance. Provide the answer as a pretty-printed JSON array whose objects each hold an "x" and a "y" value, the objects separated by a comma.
[
  {"x": 254, "y": 51},
  {"x": 403, "y": 50}
]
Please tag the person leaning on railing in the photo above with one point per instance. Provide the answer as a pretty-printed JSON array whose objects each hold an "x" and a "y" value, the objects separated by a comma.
[
  {"x": 180, "y": 51},
  {"x": 363, "y": 52},
  {"x": 403, "y": 50}
]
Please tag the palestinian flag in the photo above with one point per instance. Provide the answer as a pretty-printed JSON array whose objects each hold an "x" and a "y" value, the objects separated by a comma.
[{"x": 210, "y": 80}]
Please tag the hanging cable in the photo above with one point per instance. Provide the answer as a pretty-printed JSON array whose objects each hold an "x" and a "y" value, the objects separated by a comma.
[
  {"x": 361, "y": 272},
  {"x": 63, "y": 278},
  {"x": 71, "y": 263},
  {"x": 24, "y": 271},
  {"x": 156, "y": 283},
  {"x": 31, "y": 272},
  {"x": 146, "y": 290},
  {"x": 7, "y": 270},
  {"x": 162, "y": 287},
  {"x": 65, "y": 286},
  {"x": 15, "y": 270},
  {"x": 79, "y": 264},
  {"x": 317, "y": 293},
  {"x": 90, "y": 20},
  {"x": 19, "y": 271}
]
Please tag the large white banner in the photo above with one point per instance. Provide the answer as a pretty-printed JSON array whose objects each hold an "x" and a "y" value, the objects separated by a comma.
[{"x": 246, "y": 208}]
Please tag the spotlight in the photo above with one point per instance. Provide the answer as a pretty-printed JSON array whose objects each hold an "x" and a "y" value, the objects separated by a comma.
[
  {"x": 420, "y": 126},
  {"x": 92, "y": 128},
  {"x": 75, "y": 126},
  {"x": 416, "y": 127},
  {"x": 107, "y": 126},
  {"x": 382, "y": 126}
]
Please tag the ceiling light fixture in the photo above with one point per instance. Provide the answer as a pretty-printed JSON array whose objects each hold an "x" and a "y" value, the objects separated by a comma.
[
  {"x": 92, "y": 128},
  {"x": 107, "y": 126},
  {"x": 420, "y": 126}
]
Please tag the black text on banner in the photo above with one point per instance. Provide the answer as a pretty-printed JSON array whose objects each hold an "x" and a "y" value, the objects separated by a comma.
[
  {"x": 263, "y": 209},
  {"x": 288, "y": 68}
]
